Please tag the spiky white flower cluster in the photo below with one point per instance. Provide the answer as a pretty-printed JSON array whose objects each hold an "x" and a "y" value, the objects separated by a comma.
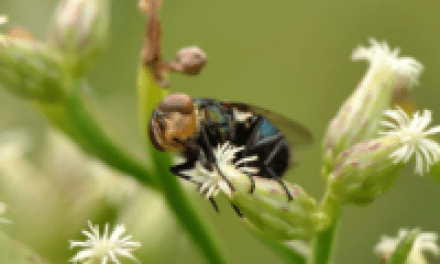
[
  {"x": 105, "y": 248},
  {"x": 425, "y": 241},
  {"x": 381, "y": 56},
  {"x": 212, "y": 182},
  {"x": 3, "y": 208},
  {"x": 413, "y": 134}
]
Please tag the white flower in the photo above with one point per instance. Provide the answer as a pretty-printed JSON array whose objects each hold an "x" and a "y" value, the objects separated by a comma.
[
  {"x": 424, "y": 242},
  {"x": 104, "y": 248},
  {"x": 381, "y": 56},
  {"x": 212, "y": 181},
  {"x": 4, "y": 19},
  {"x": 414, "y": 137},
  {"x": 3, "y": 208}
]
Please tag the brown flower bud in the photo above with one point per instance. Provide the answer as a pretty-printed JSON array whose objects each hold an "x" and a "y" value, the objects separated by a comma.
[{"x": 189, "y": 60}]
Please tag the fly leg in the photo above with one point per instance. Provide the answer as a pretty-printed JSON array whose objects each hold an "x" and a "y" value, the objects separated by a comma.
[
  {"x": 211, "y": 156},
  {"x": 237, "y": 211},
  {"x": 214, "y": 204},
  {"x": 192, "y": 156},
  {"x": 211, "y": 199},
  {"x": 280, "y": 181}
]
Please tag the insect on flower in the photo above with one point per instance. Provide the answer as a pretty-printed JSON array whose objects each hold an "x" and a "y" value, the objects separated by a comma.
[{"x": 194, "y": 127}]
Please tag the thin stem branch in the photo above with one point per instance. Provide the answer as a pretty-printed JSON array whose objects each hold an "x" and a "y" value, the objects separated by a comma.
[
  {"x": 93, "y": 139},
  {"x": 183, "y": 209},
  {"x": 150, "y": 94},
  {"x": 287, "y": 252},
  {"x": 323, "y": 244}
]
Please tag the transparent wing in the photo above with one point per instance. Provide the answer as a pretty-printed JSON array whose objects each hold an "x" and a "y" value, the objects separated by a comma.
[{"x": 296, "y": 134}]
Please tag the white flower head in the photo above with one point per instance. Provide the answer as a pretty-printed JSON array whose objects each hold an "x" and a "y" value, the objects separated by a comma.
[
  {"x": 381, "y": 56},
  {"x": 4, "y": 19},
  {"x": 3, "y": 208},
  {"x": 425, "y": 241},
  {"x": 413, "y": 134},
  {"x": 105, "y": 248},
  {"x": 213, "y": 181}
]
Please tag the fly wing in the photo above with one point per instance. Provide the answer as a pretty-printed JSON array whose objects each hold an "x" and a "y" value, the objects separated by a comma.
[{"x": 296, "y": 134}]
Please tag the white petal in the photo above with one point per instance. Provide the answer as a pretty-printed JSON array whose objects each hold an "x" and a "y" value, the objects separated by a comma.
[
  {"x": 82, "y": 255},
  {"x": 388, "y": 124},
  {"x": 419, "y": 164},
  {"x": 433, "y": 130},
  {"x": 246, "y": 159}
]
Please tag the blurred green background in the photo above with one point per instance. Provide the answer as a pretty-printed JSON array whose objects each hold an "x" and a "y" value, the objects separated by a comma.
[{"x": 292, "y": 57}]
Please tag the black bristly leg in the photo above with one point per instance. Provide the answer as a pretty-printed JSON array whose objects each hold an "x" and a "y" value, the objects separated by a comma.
[
  {"x": 273, "y": 153},
  {"x": 237, "y": 210},
  {"x": 211, "y": 154},
  {"x": 280, "y": 181},
  {"x": 270, "y": 140},
  {"x": 214, "y": 204},
  {"x": 211, "y": 200},
  {"x": 176, "y": 171},
  {"x": 205, "y": 139},
  {"x": 251, "y": 191},
  {"x": 192, "y": 156}
]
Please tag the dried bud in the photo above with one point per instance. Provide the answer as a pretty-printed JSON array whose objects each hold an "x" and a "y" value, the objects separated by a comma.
[
  {"x": 79, "y": 30},
  {"x": 28, "y": 69},
  {"x": 189, "y": 60},
  {"x": 385, "y": 83},
  {"x": 149, "y": 6}
]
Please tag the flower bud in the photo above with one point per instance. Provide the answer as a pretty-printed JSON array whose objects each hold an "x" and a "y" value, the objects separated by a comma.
[
  {"x": 370, "y": 168},
  {"x": 28, "y": 69},
  {"x": 387, "y": 79},
  {"x": 267, "y": 208},
  {"x": 365, "y": 171},
  {"x": 189, "y": 60},
  {"x": 79, "y": 30},
  {"x": 149, "y": 6}
]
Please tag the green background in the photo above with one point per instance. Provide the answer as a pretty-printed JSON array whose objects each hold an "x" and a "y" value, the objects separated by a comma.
[{"x": 292, "y": 57}]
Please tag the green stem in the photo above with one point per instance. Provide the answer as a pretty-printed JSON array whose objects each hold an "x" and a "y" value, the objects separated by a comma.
[
  {"x": 323, "y": 243},
  {"x": 287, "y": 252},
  {"x": 180, "y": 204},
  {"x": 95, "y": 140},
  {"x": 150, "y": 94}
]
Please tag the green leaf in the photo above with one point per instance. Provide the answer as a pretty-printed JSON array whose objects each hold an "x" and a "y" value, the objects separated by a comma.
[
  {"x": 404, "y": 248},
  {"x": 12, "y": 251}
]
